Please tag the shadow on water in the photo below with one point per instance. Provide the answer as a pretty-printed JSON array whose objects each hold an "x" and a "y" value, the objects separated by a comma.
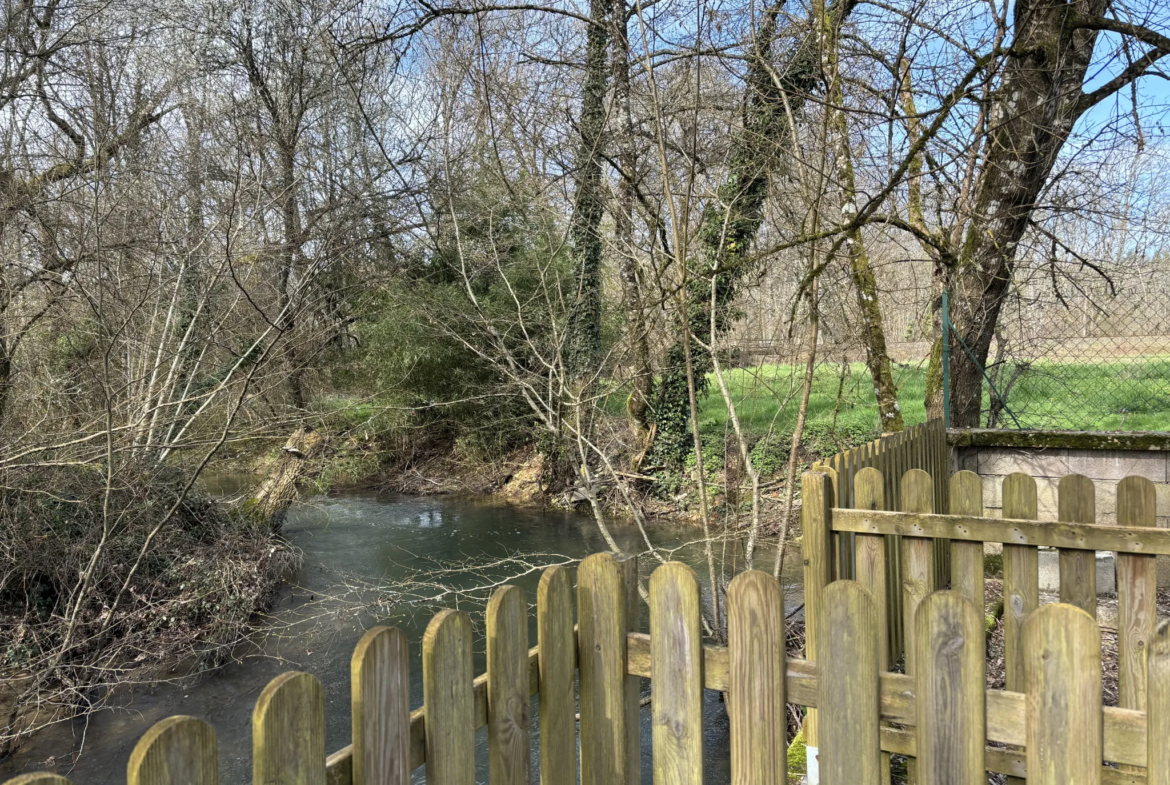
[{"x": 354, "y": 543}]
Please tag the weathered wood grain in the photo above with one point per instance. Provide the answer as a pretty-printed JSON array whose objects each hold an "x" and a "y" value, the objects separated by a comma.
[
  {"x": 509, "y": 704},
  {"x": 950, "y": 692},
  {"x": 1062, "y": 674},
  {"x": 676, "y": 656},
  {"x": 917, "y": 558},
  {"x": 288, "y": 732},
  {"x": 848, "y": 688},
  {"x": 175, "y": 751},
  {"x": 1136, "y": 593},
  {"x": 609, "y": 704},
  {"x": 1077, "y": 503},
  {"x": 816, "y": 543},
  {"x": 966, "y": 498},
  {"x": 1158, "y": 707},
  {"x": 870, "y": 558},
  {"x": 380, "y": 702},
  {"x": 756, "y": 680},
  {"x": 448, "y": 698},
  {"x": 558, "y": 677}
]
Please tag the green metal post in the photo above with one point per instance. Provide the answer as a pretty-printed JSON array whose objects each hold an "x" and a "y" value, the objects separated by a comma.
[{"x": 946, "y": 359}]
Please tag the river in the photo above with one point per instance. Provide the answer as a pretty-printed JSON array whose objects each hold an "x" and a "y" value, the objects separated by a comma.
[{"x": 355, "y": 545}]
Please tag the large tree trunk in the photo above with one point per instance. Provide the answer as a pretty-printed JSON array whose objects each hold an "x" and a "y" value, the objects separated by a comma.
[
  {"x": 583, "y": 334},
  {"x": 1035, "y": 109}
]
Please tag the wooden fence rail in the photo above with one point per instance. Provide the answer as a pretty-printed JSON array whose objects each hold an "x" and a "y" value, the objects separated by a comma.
[{"x": 941, "y": 715}]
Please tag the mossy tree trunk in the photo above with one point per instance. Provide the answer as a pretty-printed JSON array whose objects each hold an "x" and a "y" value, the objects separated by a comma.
[
  {"x": 873, "y": 335},
  {"x": 729, "y": 225},
  {"x": 583, "y": 333}
]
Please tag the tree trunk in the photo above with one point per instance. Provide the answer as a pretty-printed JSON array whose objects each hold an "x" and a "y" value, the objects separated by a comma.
[
  {"x": 638, "y": 403},
  {"x": 1040, "y": 100},
  {"x": 583, "y": 333},
  {"x": 279, "y": 491},
  {"x": 289, "y": 253}
]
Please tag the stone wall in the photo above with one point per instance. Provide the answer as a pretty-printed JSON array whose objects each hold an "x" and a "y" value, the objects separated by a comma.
[{"x": 1048, "y": 464}]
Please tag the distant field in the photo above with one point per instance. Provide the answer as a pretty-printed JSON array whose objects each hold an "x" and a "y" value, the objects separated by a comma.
[{"x": 1128, "y": 395}]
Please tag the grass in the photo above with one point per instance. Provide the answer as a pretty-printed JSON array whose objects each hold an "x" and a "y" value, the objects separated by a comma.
[{"x": 1119, "y": 396}]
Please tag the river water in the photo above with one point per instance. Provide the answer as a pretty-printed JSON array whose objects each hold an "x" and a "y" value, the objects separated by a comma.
[{"x": 356, "y": 547}]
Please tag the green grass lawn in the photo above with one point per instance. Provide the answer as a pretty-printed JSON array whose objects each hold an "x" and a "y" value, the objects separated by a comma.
[{"x": 1129, "y": 396}]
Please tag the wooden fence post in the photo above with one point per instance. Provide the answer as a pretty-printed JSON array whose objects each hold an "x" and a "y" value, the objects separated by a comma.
[
  {"x": 449, "y": 699},
  {"x": 917, "y": 557},
  {"x": 610, "y": 734},
  {"x": 1062, "y": 666},
  {"x": 756, "y": 680},
  {"x": 380, "y": 701},
  {"x": 1077, "y": 503},
  {"x": 288, "y": 732},
  {"x": 848, "y": 688},
  {"x": 509, "y": 700},
  {"x": 1158, "y": 708},
  {"x": 558, "y": 678},
  {"x": 1021, "y": 577},
  {"x": 1136, "y": 594},
  {"x": 676, "y": 660},
  {"x": 175, "y": 751},
  {"x": 816, "y": 519},
  {"x": 871, "y": 558},
  {"x": 966, "y": 498},
  {"x": 950, "y": 691}
]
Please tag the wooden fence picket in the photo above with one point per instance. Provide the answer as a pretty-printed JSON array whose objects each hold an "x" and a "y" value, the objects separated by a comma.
[
  {"x": 756, "y": 680},
  {"x": 1077, "y": 503},
  {"x": 610, "y": 733},
  {"x": 449, "y": 699},
  {"x": 1021, "y": 577},
  {"x": 380, "y": 702},
  {"x": 1137, "y": 589},
  {"x": 1158, "y": 708},
  {"x": 558, "y": 677},
  {"x": 847, "y": 687},
  {"x": 966, "y": 498},
  {"x": 816, "y": 522},
  {"x": 509, "y": 704},
  {"x": 917, "y": 558},
  {"x": 870, "y": 559},
  {"x": 288, "y": 732},
  {"x": 1062, "y": 674},
  {"x": 175, "y": 751},
  {"x": 1021, "y": 582},
  {"x": 676, "y": 657},
  {"x": 950, "y": 691}
]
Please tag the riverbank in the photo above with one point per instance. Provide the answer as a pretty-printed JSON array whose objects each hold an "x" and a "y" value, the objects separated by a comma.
[
  {"x": 111, "y": 576},
  {"x": 364, "y": 554}
]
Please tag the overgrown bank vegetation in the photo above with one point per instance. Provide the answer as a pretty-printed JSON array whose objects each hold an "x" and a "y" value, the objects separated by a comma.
[{"x": 667, "y": 253}]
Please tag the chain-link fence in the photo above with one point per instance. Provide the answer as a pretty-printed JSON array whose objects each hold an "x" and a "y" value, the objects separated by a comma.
[{"x": 1095, "y": 358}]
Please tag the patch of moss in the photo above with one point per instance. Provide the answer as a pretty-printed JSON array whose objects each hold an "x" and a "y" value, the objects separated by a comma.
[{"x": 797, "y": 755}]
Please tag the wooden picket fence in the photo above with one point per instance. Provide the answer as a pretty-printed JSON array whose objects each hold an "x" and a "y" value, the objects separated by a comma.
[
  {"x": 1134, "y": 539},
  {"x": 921, "y": 446},
  {"x": 942, "y": 715}
]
